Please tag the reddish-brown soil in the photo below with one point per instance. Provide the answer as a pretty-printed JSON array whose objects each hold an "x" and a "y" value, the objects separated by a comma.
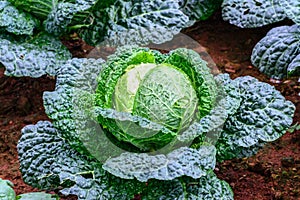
[{"x": 272, "y": 174}]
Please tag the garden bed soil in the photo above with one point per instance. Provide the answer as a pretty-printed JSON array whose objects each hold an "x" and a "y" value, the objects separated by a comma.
[{"x": 272, "y": 174}]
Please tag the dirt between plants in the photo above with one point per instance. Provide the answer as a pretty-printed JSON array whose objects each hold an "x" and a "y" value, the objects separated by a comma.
[{"x": 272, "y": 174}]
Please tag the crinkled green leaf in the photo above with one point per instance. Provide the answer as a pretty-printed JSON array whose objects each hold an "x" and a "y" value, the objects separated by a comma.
[
  {"x": 263, "y": 116},
  {"x": 276, "y": 52},
  {"x": 199, "y": 9},
  {"x": 68, "y": 107},
  {"x": 135, "y": 22},
  {"x": 180, "y": 162},
  {"x": 38, "y": 8},
  {"x": 37, "y": 196},
  {"x": 6, "y": 191},
  {"x": 177, "y": 102},
  {"x": 292, "y": 9},
  {"x": 138, "y": 131},
  {"x": 115, "y": 66},
  {"x": 63, "y": 13},
  {"x": 252, "y": 13},
  {"x": 294, "y": 67},
  {"x": 206, "y": 187},
  {"x": 47, "y": 162},
  {"x": 15, "y": 21},
  {"x": 203, "y": 82},
  {"x": 34, "y": 57}
]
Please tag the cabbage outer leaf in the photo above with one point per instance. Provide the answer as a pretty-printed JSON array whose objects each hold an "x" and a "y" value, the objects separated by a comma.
[
  {"x": 37, "y": 196},
  {"x": 263, "y": 116},
  {"x": 184, "y": 161},
  {"x": 15, "y": 21},
  {"x": 276, "y": 55},
  {"x": 62, "y": 14},
  {"x": 135, "y": 22},
  {"x": 6, "y": 191},
  {"x": 47, "y": 162},
  {"x": 199, "y": 9},
  {"x": 33, "y": 57},
  {"x": 294, "y": 67},
  {"x": 68, "y": 106},
  {"x": 252, "y": 13},
  {"x": 292, "y": 9},
  {"x": 207, "y": 187}
]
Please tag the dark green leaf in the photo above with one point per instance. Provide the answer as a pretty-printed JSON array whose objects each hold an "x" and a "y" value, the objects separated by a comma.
[
  {"x": 180, "y": 162},
  {"x": 38, "y": 8},
  {"x": 276, "y": 54},
  {"x": 70, "y": 107},
  {"x": 292, "y": 9},
  {"x": 135, "y": 22},
  {"x": 252, "y": 13},
  {"x": 263, "y": 116},
  {"x": 34, "y": 57},
  {"x": 294, "y": 67},
  {"x": 63, "y": 13},
  {"x": 47, "y": 162},
  {"x": 199, "y": 9},
  {"x": 207, "y": 187},
  {"x": 15, "y": 21}
]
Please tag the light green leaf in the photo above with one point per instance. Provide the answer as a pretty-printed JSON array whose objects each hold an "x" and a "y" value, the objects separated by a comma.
[{"x": 6, "y": 191}]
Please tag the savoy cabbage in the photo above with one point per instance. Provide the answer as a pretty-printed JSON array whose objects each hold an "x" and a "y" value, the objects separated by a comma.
[{"x": 122, "y": 127}]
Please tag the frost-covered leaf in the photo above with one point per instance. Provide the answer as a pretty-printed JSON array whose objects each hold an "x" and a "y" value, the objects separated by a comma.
[
  {"x": 263, "y": 116},
  {"x": 276, "y": 54},
  {"x": 199, "y": 9},
  {"x": 34, "y": 57},
  {"x": 15, "y": 21},
  {"x": 292, "y": 9},
  {"x": 252, "y": 13},
  {"x": 6, "y": 191},
  {"x": 63, "y": 13},
  {"x": 135, "y": 22},
  {"x": 180, "y": 162},
  {"x": 37, "y": 196},
  {"x": 207, "y": 187},
  {"x": 48, "y": 162}
]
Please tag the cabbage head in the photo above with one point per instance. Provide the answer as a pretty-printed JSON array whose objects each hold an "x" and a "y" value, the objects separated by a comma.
[{"x": 169, "y": 92}]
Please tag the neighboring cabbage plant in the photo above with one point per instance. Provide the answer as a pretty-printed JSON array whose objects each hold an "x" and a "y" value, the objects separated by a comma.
[
  {"x": 30, "y": 31},
  {"x": 148, "y": 124},
  {"x": 277, "y": 54},
  {"x": 7, "y": 193}
]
